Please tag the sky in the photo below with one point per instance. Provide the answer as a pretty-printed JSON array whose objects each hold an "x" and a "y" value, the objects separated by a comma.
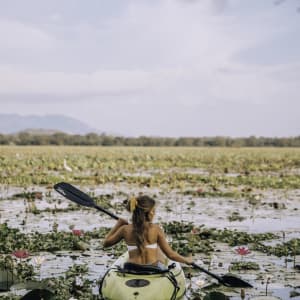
[{"x": 155, "y": 67}]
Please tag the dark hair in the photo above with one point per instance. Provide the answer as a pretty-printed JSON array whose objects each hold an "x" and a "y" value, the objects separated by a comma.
[{"x": 140, "y": 215}]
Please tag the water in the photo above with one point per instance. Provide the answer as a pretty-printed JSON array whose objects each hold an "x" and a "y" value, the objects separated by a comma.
[{"x": 212, "y": 212}]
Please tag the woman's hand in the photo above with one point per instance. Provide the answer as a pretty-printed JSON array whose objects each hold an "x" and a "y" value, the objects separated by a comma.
[
  {"x": 115, "y": 234},
  {"x": 189, "y": 260}
]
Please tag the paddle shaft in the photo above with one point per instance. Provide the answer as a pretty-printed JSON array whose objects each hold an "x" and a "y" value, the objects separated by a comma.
[
  {"x": 208, "y": 273},
  {"x": 107, "y": 212}
]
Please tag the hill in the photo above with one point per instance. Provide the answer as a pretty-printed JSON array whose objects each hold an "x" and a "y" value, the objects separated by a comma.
[{"x": 13, "y": 123}]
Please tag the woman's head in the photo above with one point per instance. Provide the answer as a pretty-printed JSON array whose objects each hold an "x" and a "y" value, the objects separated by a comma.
[
  {"x": 142, "y": 209},
  {"x": 142, "y": 205}
]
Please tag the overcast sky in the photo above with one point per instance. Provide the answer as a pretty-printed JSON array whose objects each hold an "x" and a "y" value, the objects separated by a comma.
[{"x": 155, "y": 67}]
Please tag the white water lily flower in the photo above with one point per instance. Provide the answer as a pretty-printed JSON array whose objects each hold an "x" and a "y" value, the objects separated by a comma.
[
  {"x": 200, "y": 282},
  {"x": 257, "y": 197},
  {"x": 38, "y": 260},
  {"x": 78, "y": 281}
]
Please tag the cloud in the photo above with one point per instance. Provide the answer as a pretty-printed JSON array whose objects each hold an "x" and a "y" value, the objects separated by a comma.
[
  {"x": 71, "y": 84},
  {"x": 185, "y": 57},
  {"x": 20, "y": 36},
  {"x": 216, "y": 5},
  {"x": 220, "y": 5}
]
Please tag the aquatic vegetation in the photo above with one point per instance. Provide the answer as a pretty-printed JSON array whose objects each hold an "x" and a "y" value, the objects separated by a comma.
[
  {"x": 290, "y": 248},
  {"x": 215, "y": 296},
  {"x": 294, "y": 294},
  {"x": 236, "y": 238},
  {"x": 267, "y": 281},
  {"x": 73, "y": 284},
  {"x": 257, "y": 168},
  {"x": 12, "y": 238},
  {"x": 216, "y": 193},
  {"x": 176, "y": 227},
  {"x": 10, "y": 297},
  {"x": 28, "y": 195},
  {"x": 21, "y": 270},
  {"x": 235, "y": 216},
  {"x": 243, "y": 265},
  {"x": 240, "y": 179},
  {"x": 189, "y": 246},
  {"x": 24, "y": 271}
]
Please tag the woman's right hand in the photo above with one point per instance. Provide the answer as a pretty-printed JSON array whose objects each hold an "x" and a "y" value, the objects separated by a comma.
[{"x": 189, "y": 260}]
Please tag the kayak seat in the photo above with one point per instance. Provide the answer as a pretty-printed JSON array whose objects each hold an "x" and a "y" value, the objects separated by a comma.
[{"x": 132, "y": 268}]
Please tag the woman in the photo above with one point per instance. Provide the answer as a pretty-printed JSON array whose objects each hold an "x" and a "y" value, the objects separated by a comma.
[{"x": 144, "y": 240}]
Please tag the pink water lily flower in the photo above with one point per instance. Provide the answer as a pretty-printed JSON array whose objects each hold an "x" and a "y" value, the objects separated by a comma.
[
  {"x": 21, "y": 253},
  {"x": 242, "y": 250},
  {"x": 77, "y": 232},
  {"x": 195, "y": 230}
]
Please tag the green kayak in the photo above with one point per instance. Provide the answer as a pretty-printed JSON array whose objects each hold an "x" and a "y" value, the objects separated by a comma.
[{"x": 125, "y": 281}]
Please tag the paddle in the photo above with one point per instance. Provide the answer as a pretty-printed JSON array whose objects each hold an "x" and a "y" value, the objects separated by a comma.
[
  {"x": 75, "y": 195},
  {"x": 227, "y": 279},
  {"x": 79, "y": 197}
]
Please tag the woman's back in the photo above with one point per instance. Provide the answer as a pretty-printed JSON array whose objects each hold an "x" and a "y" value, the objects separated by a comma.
[
  {"x": 145, "y": 241},
  {"x": 150, "y": 251}
]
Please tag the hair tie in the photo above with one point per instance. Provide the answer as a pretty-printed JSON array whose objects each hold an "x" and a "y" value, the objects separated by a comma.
[{"x": 133, "y": 204}]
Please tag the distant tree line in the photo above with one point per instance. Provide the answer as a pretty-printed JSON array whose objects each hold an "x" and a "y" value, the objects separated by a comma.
[{"x": 93, "y": 139}]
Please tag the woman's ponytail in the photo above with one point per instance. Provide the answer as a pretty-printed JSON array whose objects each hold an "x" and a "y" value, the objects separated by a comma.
[{"x": 140, "y": 208}]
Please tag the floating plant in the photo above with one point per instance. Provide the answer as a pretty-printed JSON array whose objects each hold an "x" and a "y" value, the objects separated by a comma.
[
  {"x": 244, "y": 174},
  {"x": 235, "y": 216},
  {"x": 243, "y": 265}
]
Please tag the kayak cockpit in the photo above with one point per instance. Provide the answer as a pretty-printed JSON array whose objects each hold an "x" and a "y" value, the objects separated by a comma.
[
  {"x": 132, "y": 268},
  {"x": 129, "y": 281}
]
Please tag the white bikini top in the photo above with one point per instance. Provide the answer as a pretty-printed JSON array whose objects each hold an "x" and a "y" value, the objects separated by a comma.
[{"x": 149, "y": 246}]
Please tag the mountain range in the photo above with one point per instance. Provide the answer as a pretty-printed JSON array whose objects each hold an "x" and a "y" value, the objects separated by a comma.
[{"x": 14, "y": 123}]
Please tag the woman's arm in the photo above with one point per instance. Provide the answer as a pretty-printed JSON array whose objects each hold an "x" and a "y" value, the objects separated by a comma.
[
  {"x": 168, "y": 251},
  {"x": 116, "y": 234}
]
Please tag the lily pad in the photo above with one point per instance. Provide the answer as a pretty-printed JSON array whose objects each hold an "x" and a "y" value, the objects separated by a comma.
[
  {"x": 28, "y": 285},
  {"x": 264, "y": 298},
  {"x": 6, "y": 280},
  {"x": 39, "y": 294},
  {"x": 215, "y": 296}
]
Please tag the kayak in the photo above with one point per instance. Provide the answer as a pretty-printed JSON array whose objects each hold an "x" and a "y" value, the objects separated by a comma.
[{"x": 126, "y": 281}]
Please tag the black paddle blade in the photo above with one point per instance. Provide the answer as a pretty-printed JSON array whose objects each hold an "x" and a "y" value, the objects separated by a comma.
[
  {"x": 72, "y": 193},
  {"x": 234, "y": 281},
  {"x": 228, "y": 279}
]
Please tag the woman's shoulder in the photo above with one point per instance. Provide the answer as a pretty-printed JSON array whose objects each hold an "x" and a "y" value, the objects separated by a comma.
[
  {"x": 128, "y": 227},
  {"x": 155, "y": 226}
]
